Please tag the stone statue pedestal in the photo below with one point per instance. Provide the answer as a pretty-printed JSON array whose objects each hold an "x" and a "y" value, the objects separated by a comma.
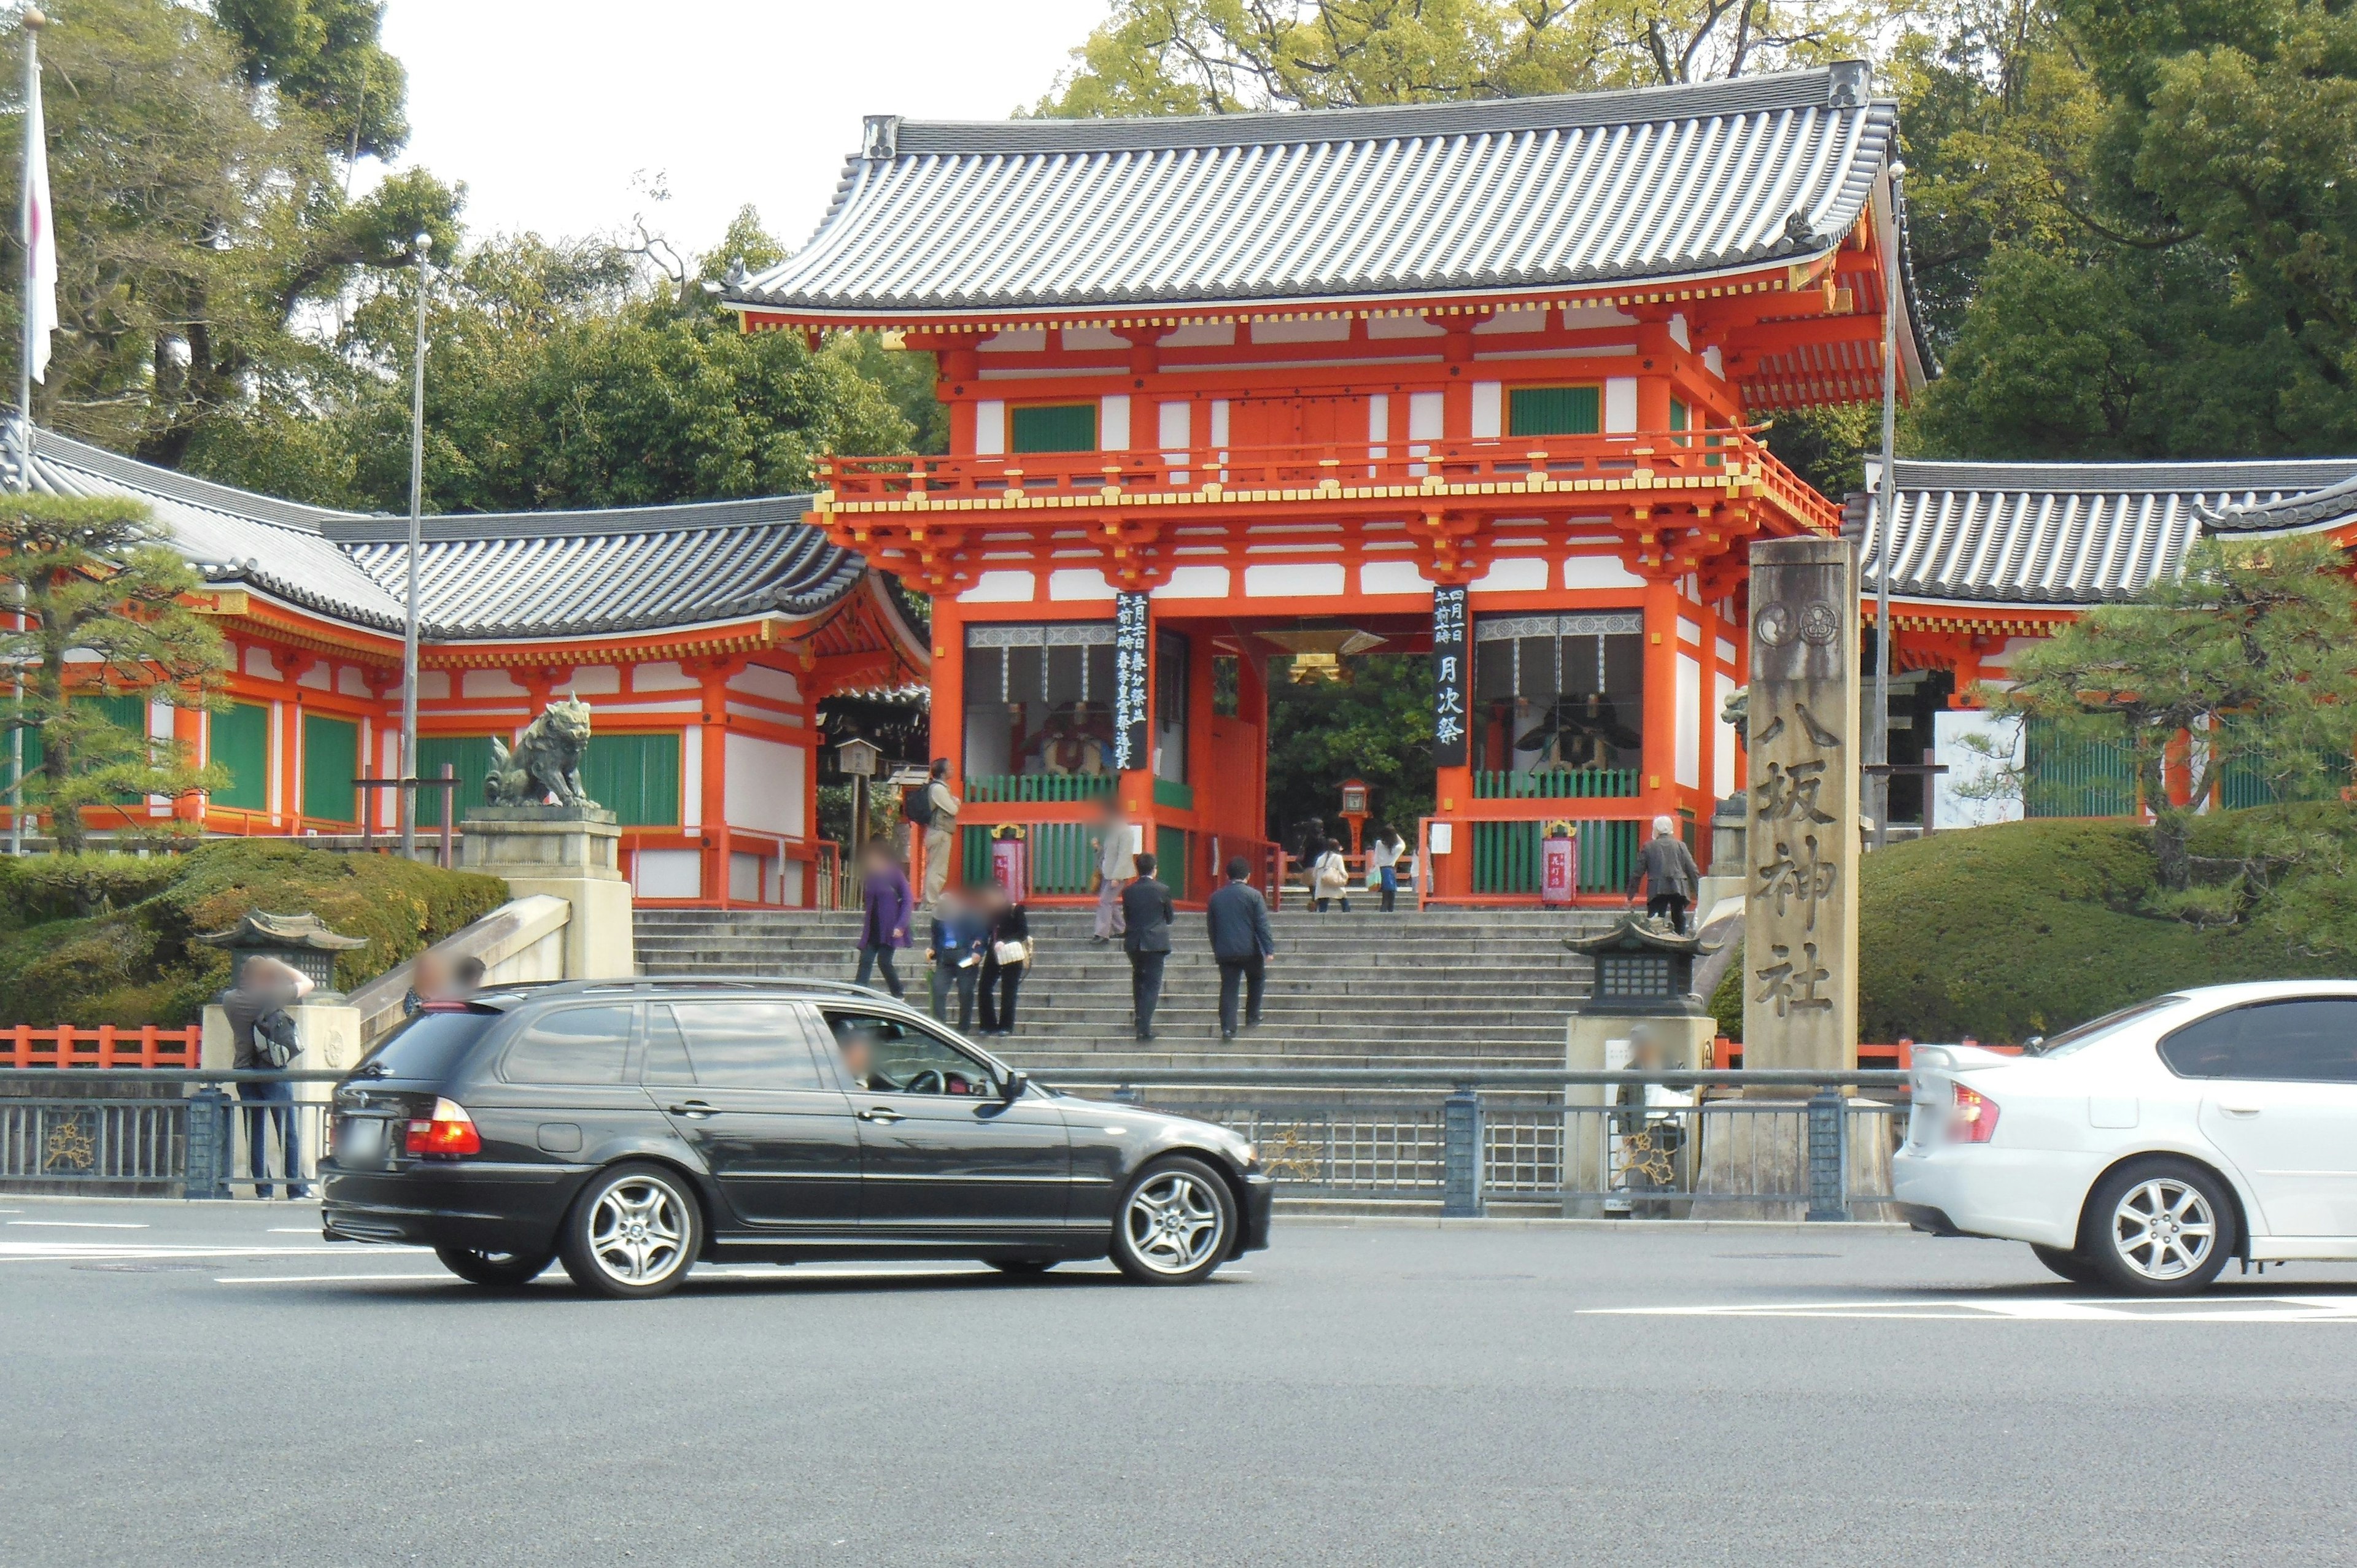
[
  {"x": 1764, "y": 1146},
  {"x": 572, "y": 852}
]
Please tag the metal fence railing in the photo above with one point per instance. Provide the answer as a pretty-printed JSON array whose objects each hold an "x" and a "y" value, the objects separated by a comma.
[
  {"x": 160, "y": 1131},
  {"x": 1671, "y": 1145},
  {"x": 1662, "y": 1144}
]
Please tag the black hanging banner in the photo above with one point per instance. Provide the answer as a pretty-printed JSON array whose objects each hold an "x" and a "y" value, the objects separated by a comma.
[
  {"x": 1133, "y": 682},
  {"x": 1452, "y": 668}
]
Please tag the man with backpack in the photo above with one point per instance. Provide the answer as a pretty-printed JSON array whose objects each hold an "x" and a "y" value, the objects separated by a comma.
[
  {"x": 263, "y": 1032},
  {"x": 933, "y": 807}
]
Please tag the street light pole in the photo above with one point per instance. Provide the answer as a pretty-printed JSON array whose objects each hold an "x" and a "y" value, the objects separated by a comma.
[
  {"x": 33, "y": 21},
  {"x": 1879, "y": 734},
  {"x": 407, "y": 796}
]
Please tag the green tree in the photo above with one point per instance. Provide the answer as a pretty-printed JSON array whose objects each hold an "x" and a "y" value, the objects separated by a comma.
[
  {"x": 1196, "y": 56},
  {"x": 103, "y": 613},
  {"x": 198, "y": 167},
  {"x": 1374, "y": 723},
  {"x": 2248, "y": 650}
]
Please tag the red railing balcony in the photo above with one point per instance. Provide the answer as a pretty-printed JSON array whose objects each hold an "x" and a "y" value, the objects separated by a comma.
[{"x": 1733, "y": 463}]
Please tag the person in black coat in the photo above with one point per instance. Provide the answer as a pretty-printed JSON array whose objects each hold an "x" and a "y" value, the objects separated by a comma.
[
  {"x": 1003, "y": 978},
  {"x": 1145, "y": 915},
  {"x": 1241, "y": 942}
]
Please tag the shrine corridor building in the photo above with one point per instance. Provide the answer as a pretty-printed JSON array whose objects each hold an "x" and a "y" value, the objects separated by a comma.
[{"x": 1483, "y": 381}]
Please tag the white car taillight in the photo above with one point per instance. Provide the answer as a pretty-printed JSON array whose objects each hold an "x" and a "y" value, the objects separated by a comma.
[{"x": 1972, "y": 1118}]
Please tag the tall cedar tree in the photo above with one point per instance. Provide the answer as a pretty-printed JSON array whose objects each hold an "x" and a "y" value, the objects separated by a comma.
[
  {"x": 2249, "y": 651},
  {"x": 102, "y": 604}
]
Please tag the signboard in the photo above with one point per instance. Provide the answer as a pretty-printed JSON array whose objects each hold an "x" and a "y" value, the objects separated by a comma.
[
  {"x": 1452, "y": 674},
  {"x": 1009, "y": 866},
  {"x": 1558, "y": 864},
  {"x": 1133, "y": 682}
]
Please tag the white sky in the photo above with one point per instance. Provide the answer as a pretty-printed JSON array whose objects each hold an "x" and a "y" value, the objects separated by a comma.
[{"x": 546, "y": 109}]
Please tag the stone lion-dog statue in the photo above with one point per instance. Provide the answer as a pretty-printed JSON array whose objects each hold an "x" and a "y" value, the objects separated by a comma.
[{"x": 545, "y": 764}]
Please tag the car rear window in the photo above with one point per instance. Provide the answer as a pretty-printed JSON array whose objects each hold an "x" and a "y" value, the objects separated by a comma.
[
  {"x": 571, "y": 1044},
  {"x": 430, "y": 1046}
]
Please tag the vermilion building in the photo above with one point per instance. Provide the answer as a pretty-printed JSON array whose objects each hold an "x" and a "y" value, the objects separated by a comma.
[
  {"x": 1479, "y": 380},
  {"x": 702, "y": 637}
]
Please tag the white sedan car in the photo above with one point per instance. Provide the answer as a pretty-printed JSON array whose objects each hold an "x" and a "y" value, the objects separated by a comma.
[{"x": 2143, "y": 1150}]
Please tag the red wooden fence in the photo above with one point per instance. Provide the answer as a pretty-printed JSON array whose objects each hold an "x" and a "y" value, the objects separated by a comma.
[{"x": 105, "y": 1046}]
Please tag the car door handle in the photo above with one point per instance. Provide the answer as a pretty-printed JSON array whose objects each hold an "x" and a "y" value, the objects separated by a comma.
[
  {"x": 883, "y": 1114},
  {"x": 2239, "y": 1110},
  {"x": 696, "y": 1109}
]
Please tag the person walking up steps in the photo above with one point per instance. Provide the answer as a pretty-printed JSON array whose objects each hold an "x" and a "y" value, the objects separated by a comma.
[
  {"x": 1145, "y": 910},
  {"x": 1241, "y": 942},
  {"x": 889, "y": 912},
  {"x": 1384, "y": 852},
  {"x": 1115, "y": 866},
  {"x": 1329, "y": 876},
  {"x": 1669, "y": 874}
]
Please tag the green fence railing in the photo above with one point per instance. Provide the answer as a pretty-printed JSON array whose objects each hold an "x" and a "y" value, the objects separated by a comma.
[
  {"x": 2068, "y": 775},
  {"x": 1507, "y": 857},
  {"x": 1060, "y": 859},
  {"x": 1037, "y": 788},
  {"x": 1171, "y": 793},
  {"x": 1557, "y": 784}
]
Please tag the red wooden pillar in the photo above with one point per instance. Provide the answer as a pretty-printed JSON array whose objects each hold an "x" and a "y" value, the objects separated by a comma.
[
  {"x": 713, "y": 795},
  {"x": 1707, "y": 758},
  {"x": 189, "y": 730},
  {"x": 1207, "y": 773},
  {"x": 1657, "y": 783},
  {"x": 947, "y": 731}
]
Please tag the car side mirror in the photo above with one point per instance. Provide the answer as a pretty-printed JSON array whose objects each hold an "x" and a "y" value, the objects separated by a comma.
[
  {"x": 2034, "y": 1047},
  {"x": 1011, "y": 1090}
]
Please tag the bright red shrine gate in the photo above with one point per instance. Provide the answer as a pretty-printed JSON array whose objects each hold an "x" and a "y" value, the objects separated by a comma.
[{"x": 1267, "y": 380}]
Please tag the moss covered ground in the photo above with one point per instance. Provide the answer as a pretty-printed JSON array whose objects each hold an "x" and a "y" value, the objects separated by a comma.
[
  {"x": 2028, "y": 928},
  {"x": 107, "y": 939}
]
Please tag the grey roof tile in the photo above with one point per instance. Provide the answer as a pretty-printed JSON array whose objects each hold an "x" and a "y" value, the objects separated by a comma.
[
  {"x": 2064, "y": 534},
  {"x": 1495, "y": 194},
  {"x": 481, "y": 576}
]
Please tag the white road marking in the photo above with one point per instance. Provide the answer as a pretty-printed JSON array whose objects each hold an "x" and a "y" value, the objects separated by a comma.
[
  {"x": 76, "y": 1252},
  {"x": 80, "y": 1224},
  {"x": 2108, "y": 1309},
  {"x": 445, "y": 1278},
  {"x": 294, "y": 1229}
]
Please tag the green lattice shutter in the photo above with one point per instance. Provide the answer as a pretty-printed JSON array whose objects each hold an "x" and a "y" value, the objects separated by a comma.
[
  {"x": 331, "y": 760},
  {"x": 1554, "y": 411},
  {"x": 635, "y": 776},
  {"x": 240, "y": 746},
  {"x": 469, "y": 757},
  {"x": 1056, "y": 428}
]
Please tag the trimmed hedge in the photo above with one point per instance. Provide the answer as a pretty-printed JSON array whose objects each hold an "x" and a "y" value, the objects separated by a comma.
[
  {"x": 106, "y": 938},
  {"x": 2025, "y": 929}
]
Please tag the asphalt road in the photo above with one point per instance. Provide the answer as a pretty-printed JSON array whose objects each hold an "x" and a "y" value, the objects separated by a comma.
[{"x": 210, "y": 1383}]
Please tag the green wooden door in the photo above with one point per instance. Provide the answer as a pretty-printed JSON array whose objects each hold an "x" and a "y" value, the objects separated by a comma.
[
  {"x": 1553, "y": 411},
  {"x": 635, "y": 776},
  {"x": 240, "y": 746},
  {"x": 331, "y": 760},
  {"x": 469, "y": 757}
]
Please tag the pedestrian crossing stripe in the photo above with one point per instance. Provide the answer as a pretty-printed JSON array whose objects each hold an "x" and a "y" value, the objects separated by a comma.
[{"x": 2029, "y": 1309}]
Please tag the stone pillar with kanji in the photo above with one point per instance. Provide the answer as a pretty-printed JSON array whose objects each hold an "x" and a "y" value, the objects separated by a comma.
[{"x": 1800, "y": 917}]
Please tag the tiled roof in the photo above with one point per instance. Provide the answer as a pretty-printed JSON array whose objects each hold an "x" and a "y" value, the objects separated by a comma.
[
  {"x": 588, "y": 573},
  {"x": 2064, "y": 534},
  {"x": 2327, "y": 507},
  {"x": 481, "y": 576},
  {"x": 1498, "y": 194}
]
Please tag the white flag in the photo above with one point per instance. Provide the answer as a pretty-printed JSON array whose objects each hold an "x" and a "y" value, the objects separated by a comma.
[{"x": 40, "y": 243}]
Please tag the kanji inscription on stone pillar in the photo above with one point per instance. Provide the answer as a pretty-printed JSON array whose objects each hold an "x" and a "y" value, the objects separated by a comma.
[{"x": 1799, "y": 917}]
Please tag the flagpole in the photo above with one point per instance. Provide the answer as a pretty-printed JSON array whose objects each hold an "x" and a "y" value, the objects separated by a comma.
[
  {"x": 1879, "y": 734},
  {"x": 424, "y": 245},
  {"x": 33, "y": 21}
]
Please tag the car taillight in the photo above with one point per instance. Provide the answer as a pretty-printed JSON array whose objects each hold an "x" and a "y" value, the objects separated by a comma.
[
  {"x": 450, "y": 1132},
  {"x": 1973, "y": 1120}
]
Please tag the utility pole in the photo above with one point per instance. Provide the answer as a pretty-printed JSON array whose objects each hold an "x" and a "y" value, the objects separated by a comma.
[
  {"x": 1878, "y": 732},
  {"x": 406, "y": 795},
  {"x": 33, "y": 23}
]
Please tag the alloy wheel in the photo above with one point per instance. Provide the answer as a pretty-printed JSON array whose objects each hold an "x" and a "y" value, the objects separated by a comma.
[
  {"x": 2163, "y": 1228},
  {"x": 1173, "y": 1224},
  {"x": 637, "y": 1231}
]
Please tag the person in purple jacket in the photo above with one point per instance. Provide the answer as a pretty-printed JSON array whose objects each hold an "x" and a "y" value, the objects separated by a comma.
[{"x": 890, "y": 911}]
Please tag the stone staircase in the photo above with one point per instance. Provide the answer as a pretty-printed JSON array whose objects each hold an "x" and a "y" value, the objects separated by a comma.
[{"x": 1476, "y": 988}]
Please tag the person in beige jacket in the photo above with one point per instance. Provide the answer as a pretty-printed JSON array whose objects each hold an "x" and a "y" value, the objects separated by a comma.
[{"x": 1116, "y": 864}]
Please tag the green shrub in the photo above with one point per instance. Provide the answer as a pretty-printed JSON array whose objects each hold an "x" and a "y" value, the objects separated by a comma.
[
  {"x": 2028, "y": 928},
  {"x": 109, "y": 939}
]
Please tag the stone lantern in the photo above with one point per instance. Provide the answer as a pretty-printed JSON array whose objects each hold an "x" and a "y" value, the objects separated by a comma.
[
  {"x": 1641, "y": 1012},
  {"x": 326, "y": 1027}
]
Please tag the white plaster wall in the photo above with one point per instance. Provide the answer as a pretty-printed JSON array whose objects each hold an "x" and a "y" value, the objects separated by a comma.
[
  {"x": 1426, "y": 415},
  {"x": 596, "y": 681},
  {"x": 1722, "y": 782},
  {"x": 1619, "y": 404},
  {"x": 665, "y": 676},
  {"x": 1002, "y": 588},
  {"x": 1079, "y": 582},
  {"x": 990, "y": 427},
  {"x": 348, "y": 681},
  {"x": 1489, "y": 408},
  {"x": 1175, "y": 426},
  {"x": 1334, "y": 331},
  {"x": 433, "y": 683},
  {"x": 1689, "y": 750},
  {"x": 1515, "y": 573},
  {"x": 1598, "y": 572},
  {"x": 259, "y": 664},
  {"x": 1195, "y": 583},
  {"x": 1393, "y": 578},
  {"x": 1112, "y": 423},
  {"x": 1286, "y": 582},
  {"x": 768, "y": 680},
  {"x": 668, "y": 874},
  {"x": 490, "y": 684},
  {"x": 764, "y": 785}
]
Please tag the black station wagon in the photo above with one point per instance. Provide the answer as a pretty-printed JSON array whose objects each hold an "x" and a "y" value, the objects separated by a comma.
[{"x": 632, "y": 1127}]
